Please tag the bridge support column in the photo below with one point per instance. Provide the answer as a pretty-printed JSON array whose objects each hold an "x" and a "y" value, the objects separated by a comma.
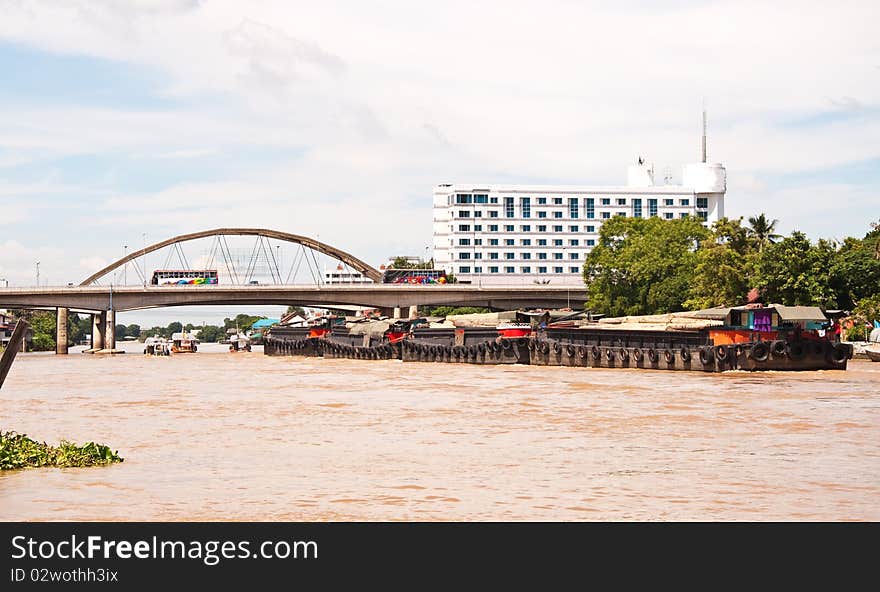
[
  {"x": 396, "y": 314},
  {"x": 61, "y": 331},
  {"x": 98, "y": 322},
  {"x": 110, "y": 330},
  {"x": 413, "y": 312}
]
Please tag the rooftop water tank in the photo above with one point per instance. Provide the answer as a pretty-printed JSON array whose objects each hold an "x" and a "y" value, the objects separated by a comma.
[{"x": 704, "y": 177}]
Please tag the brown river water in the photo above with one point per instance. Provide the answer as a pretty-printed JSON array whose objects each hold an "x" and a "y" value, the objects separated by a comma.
[{"x": 219, "y": 436}]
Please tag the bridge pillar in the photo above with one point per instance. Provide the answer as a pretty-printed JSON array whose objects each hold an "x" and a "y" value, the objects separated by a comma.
[
  {"x": 61, "y": 331},
  {"x": 396, "y": 312},
  {"x": 413, "y": 312},
  {"x": 98, "y": 322},
  {"x": 110, "y": 330}
]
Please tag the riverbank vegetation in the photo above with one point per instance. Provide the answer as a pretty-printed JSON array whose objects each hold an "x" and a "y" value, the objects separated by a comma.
[
  {"x": 17, "y": 451},
  {"x": 651, "y": 265}
]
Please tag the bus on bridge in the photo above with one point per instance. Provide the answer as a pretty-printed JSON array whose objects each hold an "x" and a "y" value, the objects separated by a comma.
[{"x": 166, "y": 277}]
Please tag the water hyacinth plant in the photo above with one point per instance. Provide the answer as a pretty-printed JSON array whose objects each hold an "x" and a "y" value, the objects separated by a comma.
[{"x": 17, "y": 451}]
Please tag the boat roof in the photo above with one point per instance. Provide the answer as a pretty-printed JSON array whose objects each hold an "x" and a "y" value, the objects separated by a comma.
[{"x": 786, "y": 313}]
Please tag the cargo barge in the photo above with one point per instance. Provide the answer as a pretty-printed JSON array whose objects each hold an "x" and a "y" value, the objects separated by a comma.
[{"x": 750, "y": 337}]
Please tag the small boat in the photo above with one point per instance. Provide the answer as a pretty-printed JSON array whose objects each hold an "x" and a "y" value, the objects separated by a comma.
[
  {"x": 156, "y": 346},
  {"x": 182, "y": 343},
  {"x": 239, "y": 343}
]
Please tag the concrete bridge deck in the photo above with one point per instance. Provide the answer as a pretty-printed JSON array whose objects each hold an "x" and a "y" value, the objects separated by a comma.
[{"x": 122, "y": 298}]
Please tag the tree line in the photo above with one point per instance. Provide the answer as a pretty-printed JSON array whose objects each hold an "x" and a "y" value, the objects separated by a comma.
[{"x": 650, "y": 265}]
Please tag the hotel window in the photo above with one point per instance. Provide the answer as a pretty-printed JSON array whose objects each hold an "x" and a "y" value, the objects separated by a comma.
[
  {"x": 478, "y": 214},
  {"x": 542, "y": 214},
  {"x": 508, "y": 207},
  {"x": 668, "y": 215},
  {"x": 526, "y": 256},
  {"x": 478, "y": 255},
  {"x": 478, "y": 241},
  {"x": 684, "y": 214},
  {"x": 493, "y": 242},
  {"x": 557, "y": 270},
  {"x": 478, "y": 270},
  {"x": 637, "y": 208},
  {"x": 573, "y": 208},
  {"x": 621, "y": 214},
  {"x": 703, "y": 215},
  {"x": 542, "y": 201},
  {"x": 591, "y": 242},
  {"x": 542, "y": 255},
  {"x": 557, "y": 242},
  {"x": 591, "y": 207},
  {"x": 493, "y": 255},
  {"x": 493, "y": 200},
  {"x": 606, "y": 215},
  {"x": 591, "y": 229},
  {"x": 668, "y": 202},
  {"x": 703, "y": 203},
  {"x": 574, "y": 242},
  {"x": 462, "y": 198},
  {"x": 526, "y": 242},
  {"x": 508, "y": 228},
  {"x": 557, "y": 214},
  {"x": 493, "y": 269},
  {"x": 542, "y": 228},
  {"x": 526, "y": 205},
  {"x": 509, "y": 242},
  {"x": 542, "y": 270},
  {"x": 464, "y": 270},
  {"x": 493, "y": 228},
  {"x": 557, "y": 255},
  {"x": 463, "y": 242},
  {"x": 464, "y": 214},
  {"x": 525, "y": 228},
  {"x": 464, "y": 255},
  {"x": 621, "y": 201},
  {"x": 574, "y": 269},
  {"x": 478, "y": 228},
  {"x": 572, "y": 228},
  {"x": 481, "y": 199},
  {"x": 557, "y": 201},
  {"x": 509, "y": 270},
  {"x": 542, "y": 242},
  {"x": 606, "y": 201},
  {"x": 493, "y": 213},
  {"x": 557, "y": 228},
  {"x": 464, "y": 227},
  {"x": 652, "y": 207},
  {"x": 509, "y": 256},
  {"x": 685, "y": 202},
  {"x": 525, "y": 269},
  {"x": 570, "y": 256}
]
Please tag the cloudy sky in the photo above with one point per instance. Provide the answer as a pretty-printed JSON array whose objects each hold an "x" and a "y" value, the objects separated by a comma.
[{"x": 335, "y": 119}]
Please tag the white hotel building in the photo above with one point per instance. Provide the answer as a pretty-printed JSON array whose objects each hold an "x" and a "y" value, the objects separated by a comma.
[{"x": 524, "y": 234}]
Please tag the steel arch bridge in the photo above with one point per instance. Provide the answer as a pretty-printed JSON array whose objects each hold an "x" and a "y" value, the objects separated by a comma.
[{"x": 222, "y": 248}]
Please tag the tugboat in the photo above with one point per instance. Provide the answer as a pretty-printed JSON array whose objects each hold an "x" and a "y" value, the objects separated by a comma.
[
  {"x": 156, "y": 346},
  {"x": 239, "y": 343},
  {"x": 183, "y": 343}
]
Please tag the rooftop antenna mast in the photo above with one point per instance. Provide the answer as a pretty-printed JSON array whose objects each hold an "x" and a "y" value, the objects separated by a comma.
[{"x": 704, "y": 131}]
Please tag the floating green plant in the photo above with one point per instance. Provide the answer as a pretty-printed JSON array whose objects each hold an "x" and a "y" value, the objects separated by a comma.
[{"x": 17, "y": 451}]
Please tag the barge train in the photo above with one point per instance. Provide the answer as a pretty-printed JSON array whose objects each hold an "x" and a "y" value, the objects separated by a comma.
[{"x": 751, "y": 337}]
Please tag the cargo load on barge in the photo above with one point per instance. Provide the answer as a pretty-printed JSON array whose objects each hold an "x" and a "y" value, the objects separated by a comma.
[{"x": 751, "y": 337}]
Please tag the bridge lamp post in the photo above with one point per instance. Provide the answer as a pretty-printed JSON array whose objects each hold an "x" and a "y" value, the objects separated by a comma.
[
  {"x": 125, "y": 265},
  {"x": 38, "y": 274},
  {"x": 144, "y": 257}
]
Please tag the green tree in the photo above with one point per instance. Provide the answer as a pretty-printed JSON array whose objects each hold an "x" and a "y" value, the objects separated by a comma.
[
  {"x": 796, "y": 272},
  {"x": 241, "y": 321},
  {"x": 43, "y": 327},
  {"x": 120, "y": 332},
  {"x": 642, "y": 265},
  {"x": 296, "y": 310},
  {"x": 856, "y": 269},
  {"x": 724, "y": 267},
  {"x": 211, "y": 333},
  {"x": 133, "y": 330},
  {"x": 172, "y": 328},
  {"x": 445, "y": 311},
  {"x": 402, "y": 263},
  {"x": 763, "y": 231}
]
